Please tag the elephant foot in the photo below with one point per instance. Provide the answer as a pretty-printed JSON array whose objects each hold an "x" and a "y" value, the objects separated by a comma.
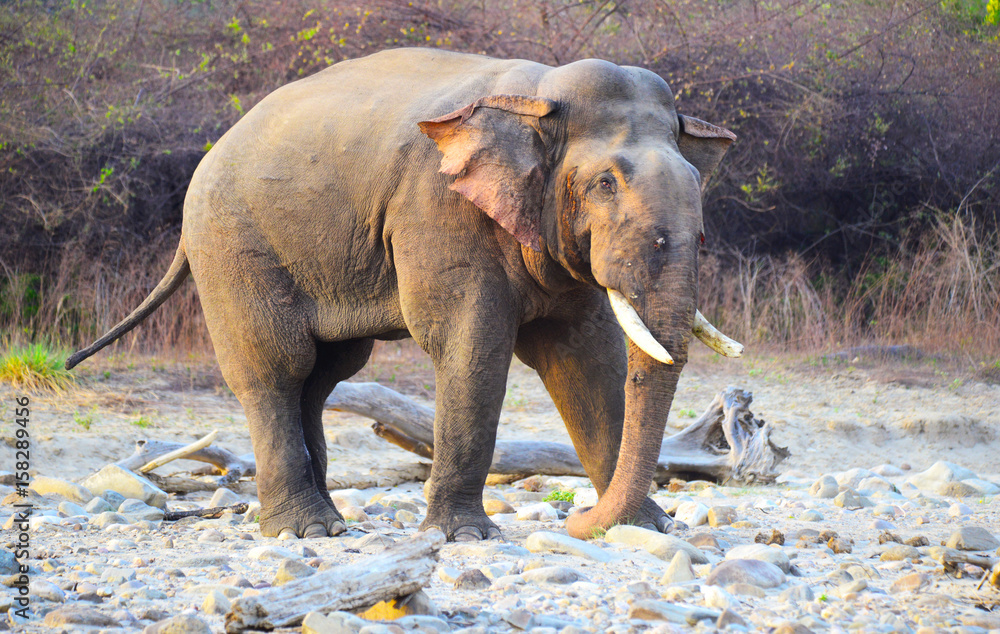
[
  {"x": 319, "y": 519},
  {"x": 652, "y": 517},
  {"x": 458, "y": 528}
]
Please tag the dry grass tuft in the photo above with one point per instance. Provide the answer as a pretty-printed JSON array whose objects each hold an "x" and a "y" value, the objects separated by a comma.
[{"x": 35, "y": 368}]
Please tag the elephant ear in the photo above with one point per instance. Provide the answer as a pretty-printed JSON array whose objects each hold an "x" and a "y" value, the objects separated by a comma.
[
  {"x": 496, "y": 151},
  {"x": 703, "y": 145}
]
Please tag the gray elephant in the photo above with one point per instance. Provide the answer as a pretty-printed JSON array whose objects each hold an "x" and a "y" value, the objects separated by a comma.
[{"x": 485, "y": 208}]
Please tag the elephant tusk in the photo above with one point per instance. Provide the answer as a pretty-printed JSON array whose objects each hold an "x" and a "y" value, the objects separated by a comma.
[
  {"x": 636, "y": 330},
  {"x": 711, "y": 337}
]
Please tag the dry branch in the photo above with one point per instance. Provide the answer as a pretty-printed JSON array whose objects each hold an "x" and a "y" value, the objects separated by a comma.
[
  {"x": 725, "y": 443},
  {"x": 159, "y": 452},
  {"x": 212, "y": 513},
  {"x": 404, "y": 568}
]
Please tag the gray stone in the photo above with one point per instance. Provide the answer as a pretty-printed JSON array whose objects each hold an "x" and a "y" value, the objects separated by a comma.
[
  {"x": 117, "y": 576},
  {"x": 71, "y": 615},
  {"x": 203, "y": 561},
  {"x": 122, "y": 481},
  {"x": 887, "y": 471},
  {"x": 290, "y": 570},
  {"x": 760, "y": 552},
  {"x": 541, "y": 511},
  {"x": 956, "y": 490},
  {"x": 657, "y": 544},
  {"x": 114, "y": 498},
  {"x": 679, "y": 570},
  {"x": 796, "y": 594},
  {"x": 473, "y": 579},
  {"x": 181, "y": 624},
  {"x": 423, "y": 623},
  {"x": 811, "y": 515},
  {"x": 98, "y": 505},
  {"x": 8, "y": 564},
  {"x": 729, "y": 617},
  {"x": 546, "y": 541},
  {"x": 263, "y": 553},
  {"x": 848, "y": 499},
  {"x": 983, "y": 487},
  {"x": 752, "y": 571},
  {"x": 973, "y": 538},
  {"x": 405, "y": 516},
  {"x": 139, "y": 510},
  {"x": 655, "y": 610},
  {"x": 71, "y": 509},
  {"x": 44, "y": 485},
  {"x": 825, "y": 487},
  {"x": 692, "y": 513},
  {"x": 553, "y": 574},
  {"x": 877, "y": 484},
  {"x": 223, "y": 497},
  {"x": 521, "y": 619},
  {"x": 108, "y": 518}
]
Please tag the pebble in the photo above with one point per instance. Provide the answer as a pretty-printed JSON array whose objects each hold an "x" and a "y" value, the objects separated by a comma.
[
  {"x": 70, "y": 509},
  {"x": 408, "y": 517},
  {"x": 982, "y": 487},
  {"x": 654, "y": 610},
  {"x": 825, "y": 487},
  {"x": 912, "y": 582},
  {"x": 553, "y": 574},
  {"x": 972, "y": 538},
  {"x": 754, "y": 572},
  {"x": 216, "y": 602},
  {"x": 716, "y": 597},
  {"x": 812, "y": 515},
  {"x": 473, "y": 579},
  {"x": 853, "y": 477},
  {"x": 546, "y": 541},
  {"x": 959, "y": 510},
  {"x": 127, "y": 484},
  {"x": 223, "y": 497},
  {"x": 730, "y": 618},
  {"x": 692, "y": 513},
  {"x": 495, "y": 507},
  {"x": 180, "y": 624},
  {"x": 348, "y": 497},
  {"x": 75, "y": 615},
  {"x": 107, "y": 518},
  {"x": 46, "y": 591},
  {"x": 721, "y": 516},
  {"x": 658, "y": 544},
  {"x": 333, "y": 623},
  {"x": 542, "y": 511},
  {"x": 957, "y": 490},
  {"x": 745, "y": 590},
  {"x": 887, "y": 471},
  {"x": 679, "y": 570},
  {"x": 760, "y": 552},
  {"x": 211, "y": 535},
  {"x": 899, "y": 552},
  {"x": 98, "y": 505},
  {"x": 848, "y": 499},
  {"x": 290, "y": 570},
  {"x": 353, "y": 513}
]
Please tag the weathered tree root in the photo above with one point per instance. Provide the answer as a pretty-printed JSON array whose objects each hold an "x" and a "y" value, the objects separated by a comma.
[{"x": 150, "y": 453}]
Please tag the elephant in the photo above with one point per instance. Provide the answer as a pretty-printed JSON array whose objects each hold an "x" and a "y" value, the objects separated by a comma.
[{"x": 484, "y": 207}]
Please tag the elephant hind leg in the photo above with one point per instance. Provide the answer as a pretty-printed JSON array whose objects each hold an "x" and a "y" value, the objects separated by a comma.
[{"x": 335, "y": 362}]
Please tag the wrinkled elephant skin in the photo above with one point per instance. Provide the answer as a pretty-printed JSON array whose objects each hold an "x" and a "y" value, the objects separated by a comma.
[{"x": 485, "y": 208}]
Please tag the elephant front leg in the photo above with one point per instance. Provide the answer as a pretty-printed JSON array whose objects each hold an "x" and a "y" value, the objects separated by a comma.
[
  {"x": 582, "y": 360},
  {"x": 471, "y": 382}
]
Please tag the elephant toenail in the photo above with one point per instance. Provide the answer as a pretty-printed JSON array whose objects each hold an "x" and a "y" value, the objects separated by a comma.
[
  {"x": 287, "y": 533},
  {"x": 314, "y": 530},
  {"x": 337, "y": 528},
  {"x": 468, "y": 534}
]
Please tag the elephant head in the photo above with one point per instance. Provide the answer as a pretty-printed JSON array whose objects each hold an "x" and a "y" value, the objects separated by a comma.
[{"x": 597, "y": 172}]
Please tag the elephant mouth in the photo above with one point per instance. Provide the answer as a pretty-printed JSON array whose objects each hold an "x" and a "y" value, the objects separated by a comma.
[{"x": 640, "y": 335}]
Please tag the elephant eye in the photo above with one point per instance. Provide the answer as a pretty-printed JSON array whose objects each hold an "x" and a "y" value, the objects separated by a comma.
[{"x": 607, "y": 184}]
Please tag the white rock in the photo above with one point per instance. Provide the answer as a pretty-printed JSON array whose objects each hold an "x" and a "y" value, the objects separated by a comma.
[
  {"x": 825, "y": 487},
  {"x": 771, "y": 554},
  {"x": 658, "y": 544},
  {"x": 887, "y": 471},
  {"x": 542, "y": 511},
  {"x": 46, "y": 590},
  {"x": 122, "y": 481},
  {"x": 348, "y": 497},
  {"x": 585, "y": 496},
  {"x": 876, "y": 483},
  {"x": 680, "y": 570},
  {"x": 692, "y": 513},
  {"x": 939, "y": 473},
  {"x": 44, "y": 485},
  {"x": 716, "y": 597},
  {"x": 216, "y": 602},
  {"x": 552, "y": 574},
  {"x": 959, "y": 510},
  {"x": 983, "y": 486},
  {"x": 223, "y": 497},
  {"x": 852, "y": 477},
  {"x": 546, "y": 541}
]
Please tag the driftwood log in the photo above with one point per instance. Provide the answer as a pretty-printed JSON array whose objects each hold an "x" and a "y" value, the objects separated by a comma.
[
  {"x": 404, "y": 568},
  {"x": 727, "y": 443}
]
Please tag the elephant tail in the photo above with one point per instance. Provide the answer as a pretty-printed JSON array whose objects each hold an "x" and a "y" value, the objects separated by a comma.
[{"x": 177, "y": 273}]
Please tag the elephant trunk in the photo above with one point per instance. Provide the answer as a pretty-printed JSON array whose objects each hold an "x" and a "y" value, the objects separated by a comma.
[{"x": 649, "y": 391}]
